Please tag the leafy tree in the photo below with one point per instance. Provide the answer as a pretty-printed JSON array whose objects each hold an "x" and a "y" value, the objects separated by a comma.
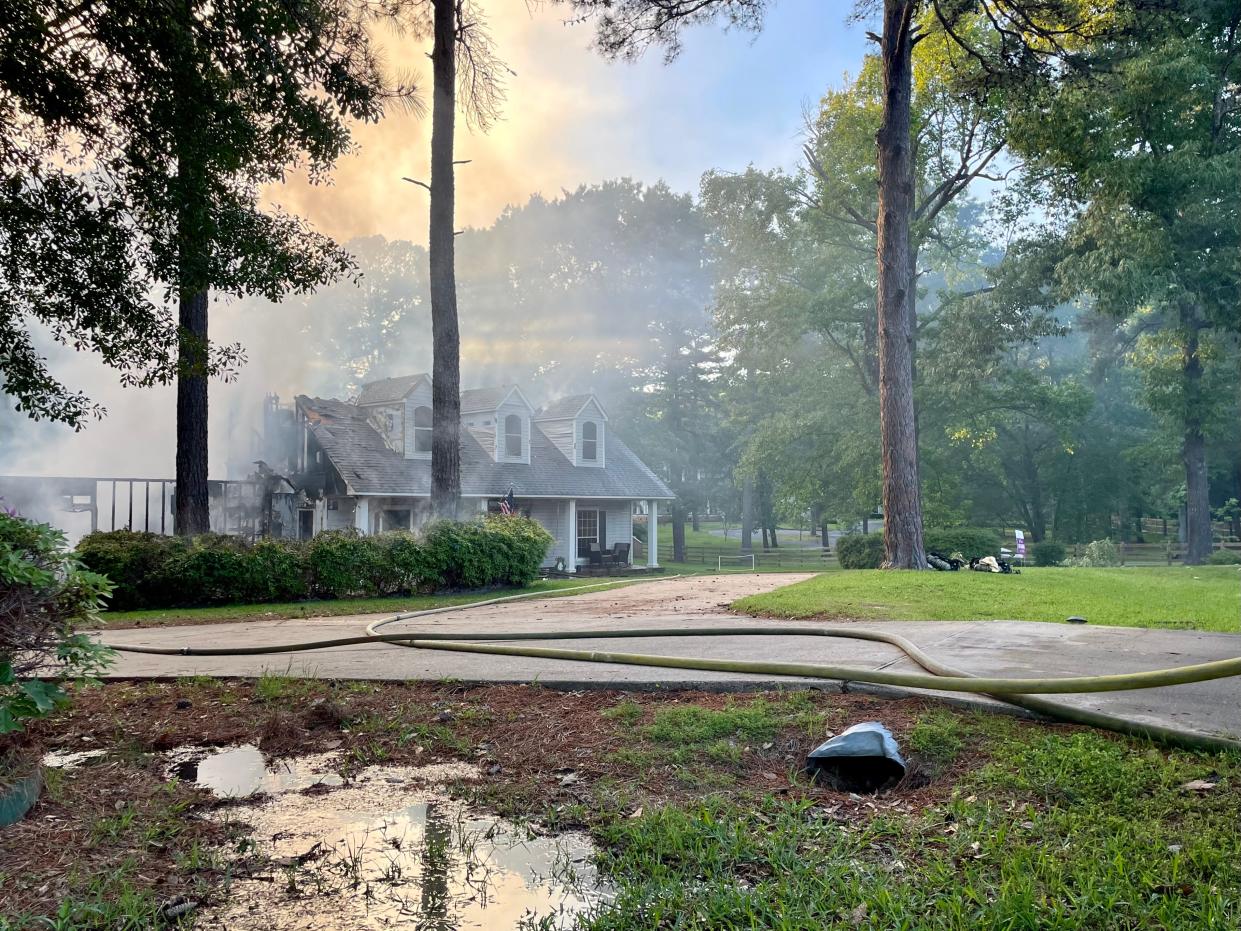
[
  {"x": 1139, "y": 174},
  {"x": 1018, "y": 37},
  {"x": 142, "y": 133}
]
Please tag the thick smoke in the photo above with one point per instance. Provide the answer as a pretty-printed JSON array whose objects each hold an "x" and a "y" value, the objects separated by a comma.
[{"x": 559, "y": 296}]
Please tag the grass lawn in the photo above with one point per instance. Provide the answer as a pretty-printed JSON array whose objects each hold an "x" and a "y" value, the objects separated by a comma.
[
  {"x": 1201, "y": 598},
  {"x": 334, "y": 608}
]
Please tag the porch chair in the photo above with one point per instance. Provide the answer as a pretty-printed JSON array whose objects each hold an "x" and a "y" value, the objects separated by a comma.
[
  {"x": 595, "y": 554},
  {"x": 620, "y": 554}
]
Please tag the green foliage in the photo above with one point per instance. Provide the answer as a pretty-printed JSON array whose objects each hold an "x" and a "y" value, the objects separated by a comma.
[
  {"x": 1225, "y": 558},
  {"x": 134, "y": 563},
  {"x": 1098, "y": 554},
  {"x": 343, "y": 563},
  {"x": 193, "y": 107},
  {"x": 44, "y": 593},
  {"x": 970, "y": 542},
  {"x": 1048, "y": 553},
  {"x": 149, "y": 571},
  {"x": 860, "y": 551}
]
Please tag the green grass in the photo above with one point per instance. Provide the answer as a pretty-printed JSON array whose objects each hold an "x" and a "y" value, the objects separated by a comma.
[
  {"x": 1199, "y": 598},
  {"x": 333, "y": 608},
  {"x": 1061, "y": 830}
]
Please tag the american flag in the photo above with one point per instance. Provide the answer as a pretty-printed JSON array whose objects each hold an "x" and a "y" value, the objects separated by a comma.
[{"x": 508, "y": 504}]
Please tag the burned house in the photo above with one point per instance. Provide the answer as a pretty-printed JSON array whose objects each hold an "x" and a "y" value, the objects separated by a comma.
[{"x": 366, "y": 463}]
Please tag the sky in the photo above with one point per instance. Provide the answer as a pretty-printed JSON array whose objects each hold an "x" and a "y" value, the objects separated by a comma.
[{"x": 571, "y": 118}]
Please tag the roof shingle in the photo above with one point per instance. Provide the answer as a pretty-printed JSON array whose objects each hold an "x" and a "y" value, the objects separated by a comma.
[{"x": 370, "y": 468}]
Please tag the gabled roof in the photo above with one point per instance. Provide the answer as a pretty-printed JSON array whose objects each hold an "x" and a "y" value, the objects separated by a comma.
[
  {"x": 389, "y": 390},
  {"x": 568, "y": 408},
  {"x": 369, "y": 467},
  {"x": 474, "y": 400}
]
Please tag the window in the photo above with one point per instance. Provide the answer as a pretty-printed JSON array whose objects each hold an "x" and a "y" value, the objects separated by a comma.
[
  {"x": 512, "y": 436},
  {"x": 422, "y": 429},
  {"x": 587, "y": 531},
  {"x": 590, "y": 441}
]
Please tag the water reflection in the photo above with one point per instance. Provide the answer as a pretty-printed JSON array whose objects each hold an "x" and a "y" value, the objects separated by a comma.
[{"x": 390, "y": 849}]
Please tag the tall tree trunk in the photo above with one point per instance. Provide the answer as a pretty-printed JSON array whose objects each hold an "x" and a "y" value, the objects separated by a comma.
[
  {"x": 902, "y": 503},
  {"x": 747, "y": 515},
  {"x": 1194, "y": 451},
  {"x": 693, "y": 520},
  {"x": 446, "y": 337},
  {"x": 192, "y": 514},
  {"x": 678, "y": 533}
]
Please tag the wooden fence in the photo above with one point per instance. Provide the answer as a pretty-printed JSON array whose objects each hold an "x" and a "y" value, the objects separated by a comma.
[{"x": 782, "y": 557}]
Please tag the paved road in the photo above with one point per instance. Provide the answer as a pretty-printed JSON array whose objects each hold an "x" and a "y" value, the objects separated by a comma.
[{"x": 1010, "y": 648}]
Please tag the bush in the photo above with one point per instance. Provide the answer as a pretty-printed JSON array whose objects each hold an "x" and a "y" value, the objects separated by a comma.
[
  {"x": 1225, "y": 558},
  {"x": 44, "y": 593},
  {"x": 1098, "y": 554},
  {"x": 970, "y": 542},
  {"x": 343, "y": 563},
  {"x": 860, "y": 551},
  {"x": 135, "y": 564},
  {"x": 1048, "y": 553},
  {"x": 163, "y": 572}
]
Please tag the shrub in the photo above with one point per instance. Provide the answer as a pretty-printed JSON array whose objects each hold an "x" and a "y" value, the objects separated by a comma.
[
  {"x": 860, "y": 551},
  {"x": 44, "y": 593},
  {"x": 343, "y": 563},
  {"x": 163, "y": 572},
  {"x": 403, "y": 564},
  {"x": 1048, "y": 553},
  {"x": 1097, "y": 554},
  {"x": 970, "y": 542},
  {"x": 1225, "y": 558},
  {"x": 521, "y": 545},
  {"x": 281, "y": 571},
  {"x": 135, "y": 565}
]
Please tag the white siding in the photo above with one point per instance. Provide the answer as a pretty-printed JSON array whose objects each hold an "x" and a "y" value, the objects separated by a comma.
[
  {"x": 379, "y": 416},
  {"x": 554, "y": 516},
  {"x": 341, "y": 516},
  {"x": 560, "y": 432}
]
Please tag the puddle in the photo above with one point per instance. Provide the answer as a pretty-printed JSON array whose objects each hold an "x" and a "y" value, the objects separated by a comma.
[
  {"x": 239, "y": 772},
  {"x": 390, "y": 849}
]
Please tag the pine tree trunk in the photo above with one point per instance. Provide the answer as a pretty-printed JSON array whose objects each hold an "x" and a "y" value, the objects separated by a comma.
[
  {"x": 1194, "y": 453},
  {"x": 902, "y": 504},
  {"x": 747, "y": 515},
  {"x": 446, "y": 337},
  {"x": 192, "y": 514},
  {"x": 693, "y": 520}
]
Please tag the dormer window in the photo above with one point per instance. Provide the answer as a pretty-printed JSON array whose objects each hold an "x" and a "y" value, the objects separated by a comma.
[
  {"x": 512, "y": 436},
  {"x": 422, "y": 429},
  {"x": 590, "y": 442}
]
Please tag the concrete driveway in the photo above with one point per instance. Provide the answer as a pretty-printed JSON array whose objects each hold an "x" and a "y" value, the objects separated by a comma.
[{"x": 1006, "y": 648}]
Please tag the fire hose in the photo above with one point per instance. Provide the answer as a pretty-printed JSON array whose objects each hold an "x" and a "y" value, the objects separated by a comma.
[{"x": 939, "y": 676}]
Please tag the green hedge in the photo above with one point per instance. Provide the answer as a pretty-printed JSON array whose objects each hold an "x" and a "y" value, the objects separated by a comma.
[
  {"x": 152, "y": 571},
  {"x": 865, "y": 550},
  {"x": 970, "y": 542},
  {"x": 1049, "y": 553},
  {"x": 1225, "y": 558},
  {"x": 860, "y": 551}
]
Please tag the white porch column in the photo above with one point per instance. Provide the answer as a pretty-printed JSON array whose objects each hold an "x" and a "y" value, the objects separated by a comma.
[
  {"x": 572, "y": 529},
  {"x": 362, "y": 515},
  {"x": 652, "y": 534}
]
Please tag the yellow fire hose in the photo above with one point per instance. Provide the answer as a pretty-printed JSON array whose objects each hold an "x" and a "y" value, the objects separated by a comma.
[{"x": 938, "y": 675}]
